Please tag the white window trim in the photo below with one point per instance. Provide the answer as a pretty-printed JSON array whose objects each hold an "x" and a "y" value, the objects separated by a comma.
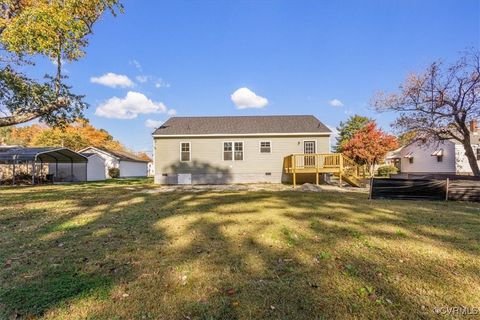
[
  {"x": 189, "y": 151},
  {"x": 233, "y": 150},
  {"x": 260, "y": 146}
]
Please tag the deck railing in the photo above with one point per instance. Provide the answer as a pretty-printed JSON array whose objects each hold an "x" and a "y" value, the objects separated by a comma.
[
  {"x": 312, "y": 160},
  {"x": 323, "y": 163}
]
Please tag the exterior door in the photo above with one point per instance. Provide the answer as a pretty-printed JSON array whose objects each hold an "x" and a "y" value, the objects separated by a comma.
[{"x": 309, "y": 147}]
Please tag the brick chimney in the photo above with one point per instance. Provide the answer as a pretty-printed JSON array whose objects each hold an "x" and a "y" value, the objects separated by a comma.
[{"x": 473, "y": 126}]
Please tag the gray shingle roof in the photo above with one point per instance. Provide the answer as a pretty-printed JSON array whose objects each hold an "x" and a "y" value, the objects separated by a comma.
[
  {"x": 121, "y": 155},
  {"x": 241, "y": 125}
]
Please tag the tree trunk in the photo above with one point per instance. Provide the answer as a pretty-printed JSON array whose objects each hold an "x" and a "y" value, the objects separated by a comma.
[{"x": 472, "y": 158}]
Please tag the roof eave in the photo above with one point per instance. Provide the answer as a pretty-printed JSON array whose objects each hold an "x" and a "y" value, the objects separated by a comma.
[{"x": 295, "y": 134}]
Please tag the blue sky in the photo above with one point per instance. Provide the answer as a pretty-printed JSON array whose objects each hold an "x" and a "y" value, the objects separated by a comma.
[{"x": 325, "y": 58}]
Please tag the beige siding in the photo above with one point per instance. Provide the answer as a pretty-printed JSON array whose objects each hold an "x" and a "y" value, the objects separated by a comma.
[{"x": 207, "y": 164}]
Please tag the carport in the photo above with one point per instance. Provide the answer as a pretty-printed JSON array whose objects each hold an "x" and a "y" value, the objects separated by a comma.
[{"x": 73, "y": 165}]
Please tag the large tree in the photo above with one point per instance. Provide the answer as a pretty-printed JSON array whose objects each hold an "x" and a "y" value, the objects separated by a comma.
[
  {"x": 75, "y": 136},
  {"x": 346, "y": 130},
  {"x": 439, "y": 103},
  {"x": 369, "y": 145},
  {"x": 57, "y": 30}
]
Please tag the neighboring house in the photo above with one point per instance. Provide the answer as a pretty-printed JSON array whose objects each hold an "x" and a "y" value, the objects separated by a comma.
[
  {"x": 393, "y": 158},
  {"x": 129, "y": 164},
  {"x": 245, "y": 149},
  {"x": 442, "y": 157},
  {"x": 95, "y": 167}
]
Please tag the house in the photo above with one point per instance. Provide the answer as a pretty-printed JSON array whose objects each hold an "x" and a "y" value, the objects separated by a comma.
[
  {"x": 437, "y": 157},
  {"x": 235, "y": 149},
  {"x": 129, "y": 164}
]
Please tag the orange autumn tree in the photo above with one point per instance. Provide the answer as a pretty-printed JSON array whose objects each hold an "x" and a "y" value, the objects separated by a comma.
[
  {"x": 144, "y": 156},
  {"x": 75, "y": 136},
  {"x": 369, "y": 145}
]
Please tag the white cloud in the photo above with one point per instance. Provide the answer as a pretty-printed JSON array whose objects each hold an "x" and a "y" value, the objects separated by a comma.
[
  {"x": 130, "y": 107},
  {"x": 153, "y": 123},
  {"x": 336, "y": 103},
  {"x": 137, "y": 65},
  {"x": 113, "y": 80},
  {"x": 161, "y": 84},
  {"x": 158, "y": 82},
  {"x": 142, "y": 79},
  {"x": 334, "y": 135},
  {"x": 171, "y": 112},
  {"x": 246, "y": 98}
]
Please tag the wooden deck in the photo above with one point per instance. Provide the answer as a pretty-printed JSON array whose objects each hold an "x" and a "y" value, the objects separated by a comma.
[{"x": 316, "y": 163}]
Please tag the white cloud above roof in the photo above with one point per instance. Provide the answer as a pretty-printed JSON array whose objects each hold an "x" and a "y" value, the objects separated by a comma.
[
  {"x": 113, "y": 80},
  {"x": 245, "y": 98},
  {"x": 336, "y": 103},
  {"x": 334, "y": 136},
  {"x": 129, "y": 107},
  {"x": 150, "y": 123},
  {"x": 157, "y": 82}
]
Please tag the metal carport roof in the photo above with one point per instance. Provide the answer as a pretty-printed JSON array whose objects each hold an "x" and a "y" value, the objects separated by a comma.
[{"x": 44, "y": 155}]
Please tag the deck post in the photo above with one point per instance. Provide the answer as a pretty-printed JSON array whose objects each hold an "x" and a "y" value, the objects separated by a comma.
[
  {"x": 293, "y": 169},
  {"x": 317, "y": 160}
]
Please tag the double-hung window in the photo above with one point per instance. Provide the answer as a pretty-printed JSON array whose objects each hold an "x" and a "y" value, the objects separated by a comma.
[
  {"x": 227, "y": 151},
  {"x": 185, "y": 151},
  {"x": 265, "y": 147},
  {"x": 233, "y": 151},
  {"x": 238, "y": 151}
]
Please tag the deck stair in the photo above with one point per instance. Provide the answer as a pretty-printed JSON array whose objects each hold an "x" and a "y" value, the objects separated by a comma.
[{"x": 344, "y": 168}]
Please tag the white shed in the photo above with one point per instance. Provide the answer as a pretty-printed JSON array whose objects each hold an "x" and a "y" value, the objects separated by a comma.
[
  {"x": 129, "y": 164},
  {"x": 95, "y": 167}
]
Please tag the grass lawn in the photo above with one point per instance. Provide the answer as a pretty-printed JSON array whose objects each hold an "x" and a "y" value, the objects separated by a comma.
[{"x": 113, "y": 251}]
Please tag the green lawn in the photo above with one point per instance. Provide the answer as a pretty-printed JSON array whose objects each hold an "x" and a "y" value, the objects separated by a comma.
[{"x": 114, "y": 251}]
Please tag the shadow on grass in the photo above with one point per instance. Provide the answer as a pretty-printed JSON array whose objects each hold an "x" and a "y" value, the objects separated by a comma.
[
  {"x": 54, "y": 288},
  {"x": 126, "y": 253}
]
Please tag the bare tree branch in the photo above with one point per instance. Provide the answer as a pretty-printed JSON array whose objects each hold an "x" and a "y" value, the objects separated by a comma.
[{"x": 439, "y": 103}]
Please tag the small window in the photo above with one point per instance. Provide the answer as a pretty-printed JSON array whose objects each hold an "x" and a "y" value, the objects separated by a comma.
[
  {"x": 439, "y": 158},
  {"x": 238, "y": 151},
  {"x": 410, "y": 160},
  {"x": 227, "y": 151},
  {"x": 185, "y": 151},
  {"x": 478, "y": 154},
  {"x": 265, "y": 147}
]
